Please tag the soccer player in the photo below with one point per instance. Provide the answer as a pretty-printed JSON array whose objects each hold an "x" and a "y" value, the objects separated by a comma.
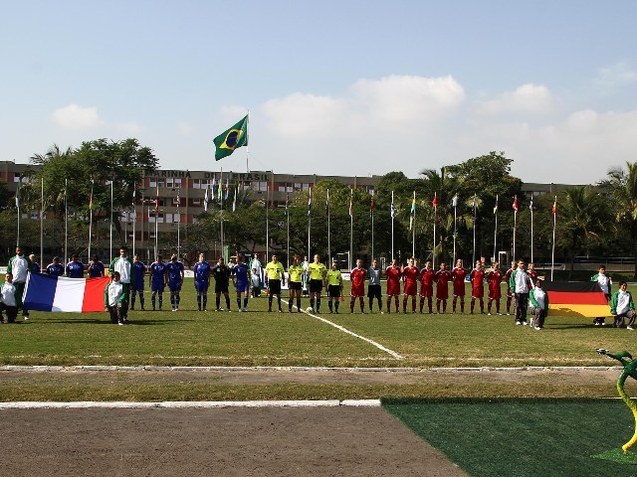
[
  {"x": 275, "y": 277},
  {"x": 201, "y": 271},
  {"x": 334, "y": 287},
  {"x": 410, "y": 274},
  {"x": 295, "y": 283},
  {"x": 138, "y": 271},
  {"x": 507, "y": 278},
  {"x": 520, "y": 284},
  {"x": 357, "y": 277},
  {"x": 157, "y": 281},
  {"x": 374, "y": 289},
  {"x": 317, "y": 272},
  {"x": 124, "y": 266},
  {"x": 55, "y": 268},
  {"x": 35, "y": 266},
  {"x": 494, "y": 278},
  {"x": 75, "y": 268},
  {"x": 175, "y": 278},
  {"x": 427, "y": 277},
  {"x": 477, "y": 286},
  {"x": 114, "y": 298},
  {"x": 95, "y": 268},
  {"x": 393, "y": 275},
  {"x": 241, "y": 279},
  {"x": 458, "y": 275},
  {"x": 442, "y": 287},
  {"x": 604, "y": 281},
  {"x": 531, "y": 272},
  {"x": 221, "y": 272},
  {"x": 8, "y": 301}
]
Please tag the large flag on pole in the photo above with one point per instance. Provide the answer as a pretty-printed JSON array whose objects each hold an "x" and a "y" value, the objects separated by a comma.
[
  {"x": 412, "y": 212},
  {"x": 231, "y": 139}
]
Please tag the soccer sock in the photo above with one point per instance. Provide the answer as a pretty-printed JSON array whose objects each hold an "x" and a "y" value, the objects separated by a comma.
[
  {"x": 455, "y": 299},
  {"x": 245, "y": 302},
  {"x": 290, "y": 305},
  {"x": 269, "y": 302},
  {"x": 489, "y": 306},
  {"x": 422, "y": 303},
  {"x": 473, "y": 304},
  {"x": 239, "y": 303},
  {"x": 329, "y": 305},
  {"x": 312, "y": 303},
  {"x": 172, "y": 299},
  {"x": 337, "y": 304},
  {"x": 318, "y": 304},
  {"x": 371, "y": 304},
  {"x": 218, "y": 300},
  {"x": 388, "y": 304},
  {"x": 204, "y": 301},
  {"x": 141, "y": 299},
  {"x": 462, "y": 305},
  {"x": 177, "y": 300},
  {"x": 362, "y": 304},
  {"x": 396, "y": 302},
  {"x": 351, "y": 305},
  {"x": 444, "y": 306},
  {"x": 278, "y": 301},
  {"x": 228, "y": 302},
  {"x": 497, "y": 306},
  {"x": 429, "y": 300},
  {"x": 161, "y": 300},
  {"x": 405, "y": 305},
  {"x": 199, "y": 301},
  {"x": 152, "y": 299},
  {"x": 132, "y": 300},
  {"x": 298, "y": 303},
  {"x": 481, "y": 306},
  {"x": 413, "y": 303}
]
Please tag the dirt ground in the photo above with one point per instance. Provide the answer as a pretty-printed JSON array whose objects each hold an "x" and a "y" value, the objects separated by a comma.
[{"x": 226, "y": 442}]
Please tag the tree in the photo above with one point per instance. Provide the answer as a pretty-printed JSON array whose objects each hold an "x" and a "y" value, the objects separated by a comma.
[{"x": 621, "y": 186}]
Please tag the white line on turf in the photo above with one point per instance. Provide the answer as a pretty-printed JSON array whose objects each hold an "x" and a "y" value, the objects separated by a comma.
[
  {"x": 188, "y": 404},
  {"x": 345, "y": 330}
]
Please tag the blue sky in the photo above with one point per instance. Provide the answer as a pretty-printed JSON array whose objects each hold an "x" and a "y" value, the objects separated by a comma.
[{"x": 350, "y": 87}]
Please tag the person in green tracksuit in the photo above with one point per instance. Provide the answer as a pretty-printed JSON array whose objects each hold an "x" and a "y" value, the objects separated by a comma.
[
  {"x": 622, "y": 306},
  {"x": 124, "y": 266},
  {"x": 114, "y": 299},
  {"x": 539, "y": 305},
  {"x": 604, "y": 281}
]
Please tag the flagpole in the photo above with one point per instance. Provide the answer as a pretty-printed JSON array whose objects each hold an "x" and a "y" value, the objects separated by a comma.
[
  {"x": 134, "y": 219},
  {"x": 351, "y": 229},
  {"x": 413, "y": 227},
  {"x": 455, "y": 226},
  {"x": 433, "y": 252},
  {"x": 178, "y": 225},
  {"x": 495, "y": 230},
  {"x": 372, "y": 219},
  {"x": 531, "y": 209},
  {"x": 66, "y": 221},
  {"x": 156, "y": 220},
  {"x": 41, "y": 224},
  {"x": 553, "y": 245},
  {"x": 17, "y": 205},
  {"x": 221, "y": 237},
  {"x": 287, "y": 213},
  {"x": 329, "y": 230},
  {"x": 111, "y": 225},
  {"x": 515, "y": 223},
  {"x": 309, "y": 225},
  {"x": 473, "y": 256},
  {"x": 392, "y": 212},
  {"x": 248, "y": 143},
  {"x": 267, "y": 223}
]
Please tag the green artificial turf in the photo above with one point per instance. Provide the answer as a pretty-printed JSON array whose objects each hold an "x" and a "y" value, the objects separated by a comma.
[{"x": 525, "y": 437}]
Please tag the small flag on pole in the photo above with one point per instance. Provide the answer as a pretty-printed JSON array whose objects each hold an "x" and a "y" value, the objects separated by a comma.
[
  {"x": 392, "y": 209},
  {"x": 205, "y": 200},
  {"x": 372, "y": 205},
  {"x": 454, "y": 200},
  {"x": 412, "y": 212},
  {"x": 554, "y": 207},
  {"x": 309, "y": 202},
  {"x": 434, "y": 202},
  {"x": 287, "y": 203},
  {"x": 227, "y": 188},
  {"x": 231, "y": 139},
  {"x": 213, "y": 189},
  {"x": 351, "y": 203},
  {"x": 234, "y": 201},
  {"x": 531, "y": 204},
  {"x": 495, "y": 207},
  {"x": 515, "y": 203},
  {"x": 327, "y": 199}
]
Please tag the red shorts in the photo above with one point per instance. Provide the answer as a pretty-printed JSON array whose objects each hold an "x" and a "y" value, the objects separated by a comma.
[
  {"x": 427, "y": 291},
  {"x": 393, "y": 288},
  {"x": 477, "y": 292},
  {"x": 358, "y": 290},
  {"x": 495, "y": 293},
  {"x": 410, "y": 288},
  {"x": 442, "y": 293},
  {"x": 458, "y": 289}
]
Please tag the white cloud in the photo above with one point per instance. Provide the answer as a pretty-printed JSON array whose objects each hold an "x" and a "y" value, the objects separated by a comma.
[
  {"x": 130, "y": 127},
  {"x": 619, "y": 74},
  {"x": 528, "y": 98},
  {"x": 75, "y": 117}
]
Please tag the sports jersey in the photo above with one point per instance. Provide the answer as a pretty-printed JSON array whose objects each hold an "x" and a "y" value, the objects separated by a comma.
[
  {"x": 507, "y": 277},
  {"x": 96, "y": 269},
  {"x": 201, "y": 272},
  {"x": 55, "y": 270},
  {"x": 393, "y": 280},
  {"x": 241, "y": 272},
  {"x": 532, "y": 275},
  {"x": 458, "y": 275},
  {"x": 138, "y": 271},
  {"x": 357, "y": 276},
  {"x": 316, "y": 271},
  {"x": 274, "y": 271},
  {"x": 477, "y": 283},
  {"x": 411, "y": 278},
  {"x": 75, "y": 269},
  {"x": 222, "y": 277},
  {"x": 157, "y": 273},
  {"x": 442, "y": 281},
  {"x": 494, "y": 278},
  {"x": 174, "y": 270},
  {"x": 427, "y": 277},
  {"x": 295, "y": 273},
  {"x": 334, "y": 277}
]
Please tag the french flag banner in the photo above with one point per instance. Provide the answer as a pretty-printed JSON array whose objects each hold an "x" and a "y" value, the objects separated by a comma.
[{"x": 49, "y": 293}]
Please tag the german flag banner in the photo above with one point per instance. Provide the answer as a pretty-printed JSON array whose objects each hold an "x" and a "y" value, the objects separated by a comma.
[{"x": 583, "y": 299}]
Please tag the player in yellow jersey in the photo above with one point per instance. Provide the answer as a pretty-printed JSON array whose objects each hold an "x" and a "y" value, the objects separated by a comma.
[
  {"x": 334, "y": 287},
  {"x": 317, "y": 272},
  {"x": 295, "y": 283},
  {"x": 275, "y": 277}
]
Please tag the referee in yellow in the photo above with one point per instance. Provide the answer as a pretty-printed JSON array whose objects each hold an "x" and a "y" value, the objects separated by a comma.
[{"x": 275, "y": 277}]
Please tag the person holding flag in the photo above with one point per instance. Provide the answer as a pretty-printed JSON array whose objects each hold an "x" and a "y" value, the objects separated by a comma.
[
  {"x": 393, "y": 274},
  {"x": 55, "y": 268},
  {"x": 458, "y": 275}
]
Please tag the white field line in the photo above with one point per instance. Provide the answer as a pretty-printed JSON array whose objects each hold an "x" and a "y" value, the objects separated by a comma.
[
  {"x": 345, "y": 330},
  {"x": 188, "y": 404}
]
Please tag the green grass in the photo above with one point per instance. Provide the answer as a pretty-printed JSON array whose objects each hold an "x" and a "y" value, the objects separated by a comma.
[
  {"x": 520, "y": 438},
  {"x": 188, "y": 337}
]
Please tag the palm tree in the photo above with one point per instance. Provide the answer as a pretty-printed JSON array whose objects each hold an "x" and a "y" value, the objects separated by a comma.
[{"x": 621, "y": 184}]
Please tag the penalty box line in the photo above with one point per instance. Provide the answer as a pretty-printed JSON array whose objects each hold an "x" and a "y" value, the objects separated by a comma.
[{"x": 351, "y": 333}]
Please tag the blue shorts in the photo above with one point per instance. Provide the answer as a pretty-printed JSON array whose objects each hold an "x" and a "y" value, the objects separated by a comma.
[
  {"x": 174, "y": 286},
  {"x": 158, "y": 286},
  {"x": 243, "y": 286},
  {"x": 201, "y": 286}
]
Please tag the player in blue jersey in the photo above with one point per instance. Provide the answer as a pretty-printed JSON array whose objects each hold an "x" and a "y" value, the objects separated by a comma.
[
  {"x": 241, "y": 279},
  {"x": 95, "y": 268},
  {"x": 138, "y": 271},
  {"x": 157, "y": 281},
  {"x": 175, "y": 275},
  {"x": 202, "y": 282},
  {"x": 55, "y": 268},
  {"x": 75, "y": 268}
]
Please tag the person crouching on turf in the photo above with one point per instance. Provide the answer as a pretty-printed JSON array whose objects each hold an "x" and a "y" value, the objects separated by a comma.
[
  {"x": 622, "y": 306},
  {"x": 221, "y": 272},
  {"x": 201, "y": 271},
  {"x": 241, "y": 280},
  {"x": 7, "y": 300},
  {"x": 539, "y": 305},
  {"x": 275, "y": 277},
  {"x": 295, "y": 283},
  {"x": 114, "y": 298},
  {"x": 157, "y": 281},
  {"x": 334, "y": 287}
]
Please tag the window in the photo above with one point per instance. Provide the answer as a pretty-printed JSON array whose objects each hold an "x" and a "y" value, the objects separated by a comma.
[
  {"x": 260, "y": 186},
  {"x": 156, "y": 182},
  {"x": 200, "y": 183},
  {"x": 196, "y": 201},
  {"x": 151, "y": 217}
]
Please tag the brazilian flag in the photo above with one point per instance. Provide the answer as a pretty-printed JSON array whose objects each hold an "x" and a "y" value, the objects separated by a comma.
[{"x": 233, "y": 138}]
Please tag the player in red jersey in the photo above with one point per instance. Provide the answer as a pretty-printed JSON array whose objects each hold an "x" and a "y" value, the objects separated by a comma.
[
  {"x": 442, "y": 287},
  {"x": 393, "y": 275},
  {"x": 410, "y": 275},
  {"x": 357, "y": 277},
  {"x": 494, "y": 278},
  {"x": 458, "y": 275},
  {"x": 477, "y": 286},
  {"x": 507, "y": 277},
  {"x": 427, "y": 277}
]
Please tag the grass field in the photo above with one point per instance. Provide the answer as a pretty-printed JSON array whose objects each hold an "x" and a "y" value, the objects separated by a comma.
[{"x": 522, "y": 438}]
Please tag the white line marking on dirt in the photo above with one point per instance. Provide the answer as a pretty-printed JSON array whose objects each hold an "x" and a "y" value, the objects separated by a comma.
[
  {"x": 188, "y": 404},
  {"x": 345, "y": 330}
]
